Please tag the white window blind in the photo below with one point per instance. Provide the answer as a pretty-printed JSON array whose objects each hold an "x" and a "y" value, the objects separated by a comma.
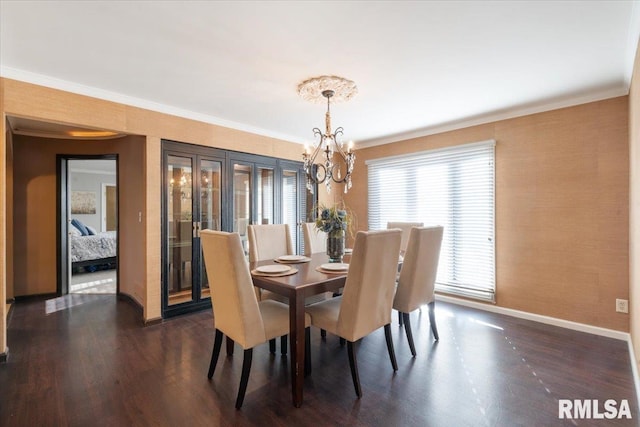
[{"x": 453, "y": 187}]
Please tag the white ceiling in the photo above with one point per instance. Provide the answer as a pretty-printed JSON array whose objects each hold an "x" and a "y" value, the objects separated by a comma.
[{"x": 420, "y": 67}]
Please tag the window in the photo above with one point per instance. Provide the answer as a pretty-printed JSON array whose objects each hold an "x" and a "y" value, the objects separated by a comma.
[{"x": 453, "y": 187}]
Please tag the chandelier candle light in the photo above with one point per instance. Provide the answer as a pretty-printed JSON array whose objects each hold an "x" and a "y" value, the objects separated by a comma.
[{"x": 329, "y": 143}]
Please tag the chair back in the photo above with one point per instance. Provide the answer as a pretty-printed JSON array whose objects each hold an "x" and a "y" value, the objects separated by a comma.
[
  {"x": 315, "y": 240},
  {"x": 235, "y": 307},
  {"x": 406, "y": 230},
  {"x": 369, "y": 288},
  {"x": 419, "y": 269},
  {"x": 269, "y": 241}
]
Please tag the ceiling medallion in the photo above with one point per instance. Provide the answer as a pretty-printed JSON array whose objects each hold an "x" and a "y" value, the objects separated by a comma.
[{"x": 312, "y": 89}]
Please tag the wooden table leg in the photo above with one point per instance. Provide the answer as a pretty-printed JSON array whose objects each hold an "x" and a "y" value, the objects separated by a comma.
[{"x": 296, "y": 338}]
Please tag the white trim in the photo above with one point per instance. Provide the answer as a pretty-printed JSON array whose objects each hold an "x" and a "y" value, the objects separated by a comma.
[
  {"x": 65, "y": 85},
  {"x": 567, "y": 324},
  {"x": 510, "y": 113},
  {"x": 580, "y": 327},
  {"x": 414, "y": 155},
  {"x": 634, "y": 368},
  {"x": 633, "y": 41}
]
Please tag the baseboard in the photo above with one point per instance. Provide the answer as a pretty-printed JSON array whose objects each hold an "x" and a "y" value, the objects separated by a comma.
[
  {"x": 634, "y": 368},
  {"x": 581, "y": 327}
]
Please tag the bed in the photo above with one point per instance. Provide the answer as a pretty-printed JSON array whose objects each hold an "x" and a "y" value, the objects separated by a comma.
[{"x": 93, "y": 251}]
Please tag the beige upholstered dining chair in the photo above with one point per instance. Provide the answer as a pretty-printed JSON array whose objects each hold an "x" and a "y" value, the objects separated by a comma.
[
  {"x": 365, "y": 305},
  {"x": 418, "y": 277},
  {"x": 315, "y": 241},
  {"x": 406, "y": 229},
  {"x": 268, "y": 242},
  {"x": 236, "y": 311}
]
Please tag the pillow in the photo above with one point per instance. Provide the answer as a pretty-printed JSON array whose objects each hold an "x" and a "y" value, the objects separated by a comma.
[
  {"x": 80, "y": 226},
  {"x": 73, "y": 230},
  {"x": 92, "y": 231}
]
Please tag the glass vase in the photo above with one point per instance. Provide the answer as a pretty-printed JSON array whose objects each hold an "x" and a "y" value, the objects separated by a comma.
[{"x": 335, "y": 246}]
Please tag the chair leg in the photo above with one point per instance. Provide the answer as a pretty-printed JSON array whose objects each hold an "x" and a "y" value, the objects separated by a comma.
[
  {"x": 283, "y": 345},
  {"x": 244, "y": 379},
  {"x": 407, "y": 329},
  {"x": 354, "y": 367},
  {"x": 272, "y": 346},
  {"x": 400, "y": 318},
  {"x": 432, "y": 320},
  {"x": 392, "y": 354},
  {"x": 307, "y": 352},
  {"x": 230, "y": 344},
  {"x": 217, "y": 344}
]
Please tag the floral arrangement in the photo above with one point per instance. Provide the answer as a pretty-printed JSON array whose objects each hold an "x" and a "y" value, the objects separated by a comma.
[{"x": 333, "y": 221}]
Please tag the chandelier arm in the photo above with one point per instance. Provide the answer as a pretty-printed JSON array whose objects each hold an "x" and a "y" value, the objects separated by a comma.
[
  {"x": 318, "y": 147},
  {"x": 314, "y": 176}
]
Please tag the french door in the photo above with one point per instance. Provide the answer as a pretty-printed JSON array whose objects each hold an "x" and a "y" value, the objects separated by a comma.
[
  {"x": 253, "y": 192},
  {"x": 208, "y": 188},
  {"x": 192, "y": 202}
]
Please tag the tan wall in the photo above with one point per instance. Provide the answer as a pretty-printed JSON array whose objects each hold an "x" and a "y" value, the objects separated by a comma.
[
  {"x": 561, "y": 190},
  {"x": 3, "y": 227},
  {"x": 131, "y": 216},
  {"x": 35, "y": 207},
  {"x": 36, "y": 102},
  {"x": 562, "y": 205},
  {"x": 153, "y": 261},
  {"x": 634, "y": 220}
]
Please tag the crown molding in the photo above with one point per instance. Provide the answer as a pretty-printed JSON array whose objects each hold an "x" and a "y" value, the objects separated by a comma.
[
  {"x": 67, "y": 86},
  {"x": 498, "y": 116},
  {"x": 633, "y": 42}
]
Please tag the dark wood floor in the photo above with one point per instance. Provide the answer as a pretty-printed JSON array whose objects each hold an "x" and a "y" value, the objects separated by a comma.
[{"x": 86, "y": 360}]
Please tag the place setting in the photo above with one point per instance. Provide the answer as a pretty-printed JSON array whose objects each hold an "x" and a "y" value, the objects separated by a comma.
[
  {"x": 333, "y": 268},
  {"x": 292, "y": 259},
  {"x": 274, "y": 270}
]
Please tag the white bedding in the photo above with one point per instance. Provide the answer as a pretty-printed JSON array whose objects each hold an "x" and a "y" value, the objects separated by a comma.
[{"x": 98, "y": 246}]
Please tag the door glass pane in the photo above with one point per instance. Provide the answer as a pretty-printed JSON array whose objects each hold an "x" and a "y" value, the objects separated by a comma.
[
  {"x": 242, "y": 202},
  {"x": 290, "y": 206},
  {"x": 265, "y": 196},
  {"x": 210, "y": 210},
  {"x": 180, "y": 228}
]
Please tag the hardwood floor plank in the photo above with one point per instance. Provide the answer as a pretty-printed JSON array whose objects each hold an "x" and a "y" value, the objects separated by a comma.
[{"x": 87, "y": 360}]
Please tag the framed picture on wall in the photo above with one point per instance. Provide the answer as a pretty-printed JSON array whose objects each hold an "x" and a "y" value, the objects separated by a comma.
[{"x": 83, "y": 202}]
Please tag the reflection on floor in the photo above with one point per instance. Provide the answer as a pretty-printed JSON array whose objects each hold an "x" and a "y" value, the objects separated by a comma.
[
  {"x": 100, "y": 282},
  {"x": 95, "y": 361}
]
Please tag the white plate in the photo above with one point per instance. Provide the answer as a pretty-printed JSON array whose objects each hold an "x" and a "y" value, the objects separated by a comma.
[
  {"x": 335, "y": 266},
  {"x": 273, "y": 268},
  {"x": 292, "y": 258}
]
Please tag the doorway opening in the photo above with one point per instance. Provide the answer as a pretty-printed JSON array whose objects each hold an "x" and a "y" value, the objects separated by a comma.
[{"x": 89, "y": 224}]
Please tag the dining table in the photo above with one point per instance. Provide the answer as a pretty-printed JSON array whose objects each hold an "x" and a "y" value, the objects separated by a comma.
[{"x": 305, "y": 282}]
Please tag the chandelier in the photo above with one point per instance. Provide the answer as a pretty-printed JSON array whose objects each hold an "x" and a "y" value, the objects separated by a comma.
[{"x": 329, "y": 143}]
